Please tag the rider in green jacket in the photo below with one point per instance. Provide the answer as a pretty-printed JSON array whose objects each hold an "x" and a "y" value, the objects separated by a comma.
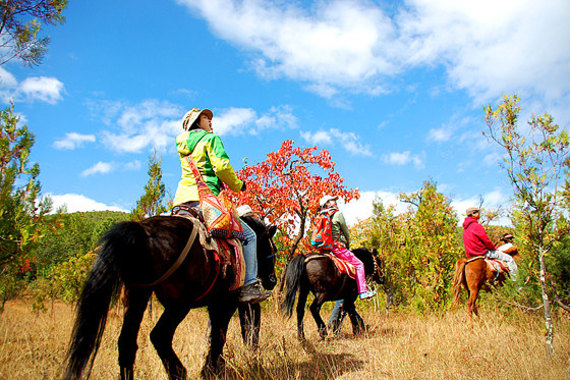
[{"x": 207, "y": 151}]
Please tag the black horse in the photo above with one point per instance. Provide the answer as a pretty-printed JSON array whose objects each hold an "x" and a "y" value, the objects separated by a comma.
[
  {"x": 136, "y": 254},
  {"x": 324, "y": 280}
]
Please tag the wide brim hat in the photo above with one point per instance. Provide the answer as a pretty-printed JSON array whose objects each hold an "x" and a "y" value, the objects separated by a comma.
[
  {"x": 471, "y": 210},
  {"x": 326, "y": 198},
  {"x": 191, "y": 116}
]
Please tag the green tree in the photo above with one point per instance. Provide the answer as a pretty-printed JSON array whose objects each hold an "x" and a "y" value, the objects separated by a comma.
[
  {"x": 20, "y": 211},
  {"x": 431, "y": 243},
  {"x": 151, "y": 202},
  {"x": 537, "y": 160},
  {"x": 419, "y": 247},
  {"x": 21, "y": 25}
]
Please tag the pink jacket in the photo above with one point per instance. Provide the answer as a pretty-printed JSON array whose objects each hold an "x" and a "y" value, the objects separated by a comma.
[{"x": 475, "y": 238}]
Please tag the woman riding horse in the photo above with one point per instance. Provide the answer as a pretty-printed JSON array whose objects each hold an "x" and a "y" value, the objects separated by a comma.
[{"x": 206, "y": 149}]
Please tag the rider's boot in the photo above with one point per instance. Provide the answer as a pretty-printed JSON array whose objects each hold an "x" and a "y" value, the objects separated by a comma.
[{"x": 253, "y": 293}]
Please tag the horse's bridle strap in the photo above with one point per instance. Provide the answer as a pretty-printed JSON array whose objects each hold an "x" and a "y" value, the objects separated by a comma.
[{"x": 176, "y": 264}]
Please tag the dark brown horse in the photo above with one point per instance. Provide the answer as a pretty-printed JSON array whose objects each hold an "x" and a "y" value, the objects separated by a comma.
[
  {"x": 140, "y": 253},
  {"x": 474, "y": 274},
  {"x": 327, "y": 283}
]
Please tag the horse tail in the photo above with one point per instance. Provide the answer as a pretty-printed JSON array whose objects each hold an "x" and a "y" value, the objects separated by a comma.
[
  {"x": 295, "y": 271},
  {"x": 121, "y": 242},
  {"x": 458, "y": 280}
]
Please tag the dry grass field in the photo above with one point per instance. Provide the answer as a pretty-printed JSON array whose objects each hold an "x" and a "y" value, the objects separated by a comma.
[{"x": 32, "y": 346}]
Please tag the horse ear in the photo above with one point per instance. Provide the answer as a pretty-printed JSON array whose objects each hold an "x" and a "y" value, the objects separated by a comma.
[
  {"x": 375, "y": 252},
  {"x": 272, "y": 230}
]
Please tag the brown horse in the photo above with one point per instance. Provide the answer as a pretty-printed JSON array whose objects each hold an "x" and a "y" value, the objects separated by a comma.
[
  {"x": 476, "y": 274},
  {"x": 136, "y": 254}
]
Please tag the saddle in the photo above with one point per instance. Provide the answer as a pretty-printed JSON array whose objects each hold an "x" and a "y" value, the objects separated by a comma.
[
  {"x": 228, "y": 251},
  {"x": 343, "y": 266},
  {"x": 495, "y": 266}
]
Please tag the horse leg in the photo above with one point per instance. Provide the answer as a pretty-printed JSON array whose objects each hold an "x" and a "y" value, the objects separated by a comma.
[
  {"x": 250, "y": 320},
  {"x": 303, "y": 293},
  {"x": 220, "y": 312},
  {"x": 161, "y": 337},
  {"x": 472, "y": 305},
  {"x": 316, "y": 311},
  {"x": 135, "y": 302},
  {"x": 355, "y": 318}
]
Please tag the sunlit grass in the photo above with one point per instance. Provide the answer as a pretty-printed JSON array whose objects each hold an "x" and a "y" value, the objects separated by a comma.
[{"x": 33, "y": 346}]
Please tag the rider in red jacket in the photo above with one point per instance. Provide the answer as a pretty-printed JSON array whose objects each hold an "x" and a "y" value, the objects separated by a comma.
[
  {"x": 477, "y": 243},
  {"x": 475, "y": 238}
]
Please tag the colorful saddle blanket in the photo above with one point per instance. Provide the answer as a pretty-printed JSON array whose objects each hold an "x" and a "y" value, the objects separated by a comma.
[
  {"x": 342, "y": 265},
  {"x": 496, "y": 266},
  {"x": 229, "y": 251}
]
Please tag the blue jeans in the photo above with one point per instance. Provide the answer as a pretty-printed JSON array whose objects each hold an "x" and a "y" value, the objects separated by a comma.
[
  {"x": 337, "y": 316},
  {"x": 249, "y": 254},
  {"x": 513, "y": 269}
]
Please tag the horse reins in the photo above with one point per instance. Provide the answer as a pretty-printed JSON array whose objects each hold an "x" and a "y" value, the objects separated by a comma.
[{"x": 174, "y": 266}]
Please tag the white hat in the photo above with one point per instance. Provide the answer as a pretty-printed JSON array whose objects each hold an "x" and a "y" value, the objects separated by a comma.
[
  {"x": 244, "y": 210},
  {"x": 191, "y": 116},
  {"x": 325, "y": 199}
]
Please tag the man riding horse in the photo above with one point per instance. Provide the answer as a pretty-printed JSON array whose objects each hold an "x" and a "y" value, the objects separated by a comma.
[{"x": 477, "y": 243}]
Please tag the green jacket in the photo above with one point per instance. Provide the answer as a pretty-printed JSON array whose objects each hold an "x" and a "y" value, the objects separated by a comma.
[
  {"x": 340, "y": 230},
  {"x": 212, "y": 161}
]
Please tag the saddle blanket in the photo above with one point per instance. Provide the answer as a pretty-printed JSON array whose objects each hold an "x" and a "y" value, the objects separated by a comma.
[
  {"x": 229, "y": 251},
  {"x": 496, "y": 266},
  {"x": 343, "y": 266}
]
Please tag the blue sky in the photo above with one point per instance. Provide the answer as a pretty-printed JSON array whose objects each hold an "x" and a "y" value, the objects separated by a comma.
[{"x": 393, "y": 89}]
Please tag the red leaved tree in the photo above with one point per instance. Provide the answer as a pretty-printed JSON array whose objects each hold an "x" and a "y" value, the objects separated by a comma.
[{"x": 286, "y": 189}]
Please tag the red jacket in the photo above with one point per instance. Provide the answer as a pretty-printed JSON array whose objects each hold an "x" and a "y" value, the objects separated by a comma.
[{"x": 475, "y": 238}]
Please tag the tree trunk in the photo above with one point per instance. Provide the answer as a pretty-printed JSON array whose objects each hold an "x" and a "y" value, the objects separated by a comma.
[{"x": 549, "y": 336}]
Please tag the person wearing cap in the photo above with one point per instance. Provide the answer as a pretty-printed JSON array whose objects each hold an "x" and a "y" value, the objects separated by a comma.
[
  {"x": 477, "y": 243},
  {"x": 341, "y": 234},
  {"x": 207, "y": 151}
]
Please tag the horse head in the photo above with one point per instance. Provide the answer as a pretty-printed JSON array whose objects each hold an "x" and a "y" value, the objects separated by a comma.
[
  {"x": 266, "y": 250},
  {"x": 372, "y": 263},
  {"x": 378, "y": 274}
]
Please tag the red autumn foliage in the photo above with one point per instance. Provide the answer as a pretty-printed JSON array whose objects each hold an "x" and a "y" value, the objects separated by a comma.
[{"x": 286, "y": 189}]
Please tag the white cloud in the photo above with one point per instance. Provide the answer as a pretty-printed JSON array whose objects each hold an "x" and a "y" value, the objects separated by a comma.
[
  {"x": 246, "y": 120},
  {"x": 439, "y": 134},
  {"x": 80, "y": 203},
  {"x": 73, "y": 140},
  {"x": 45, "y": 89},
  {"x": 347, "y": 140},
  {"x": 403, "y": 158},
  {"x": 151, "y": 124},
  {"x": 338, "y": 43},
  {"x": 319, "y": 137},
  {"x": 155, "y": 124},
  {"x": 486, "y": 47},
  {"x": 133, "y": 165},
  {"x": 233, "y": 120},
  {"x": 360, "y": 209},
  {"x": 494, "y": 199},
  {"x": 99, "y": 168},
  {"x": 42, "y": 88}
]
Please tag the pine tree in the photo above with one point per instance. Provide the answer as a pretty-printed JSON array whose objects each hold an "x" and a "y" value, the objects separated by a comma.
[
  {"x": 151, "y": 202},
  {"x": 20, "y": 210}
]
